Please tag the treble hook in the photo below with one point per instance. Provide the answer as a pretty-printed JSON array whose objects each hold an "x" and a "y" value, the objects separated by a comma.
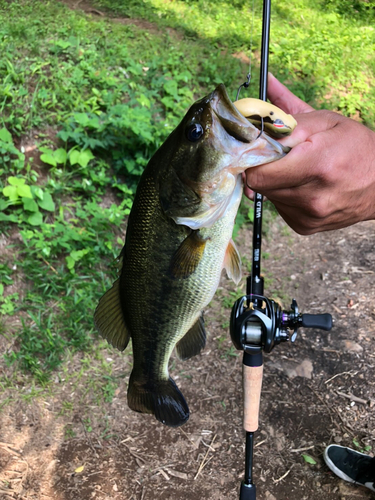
[{"x": 246, "y": 85}]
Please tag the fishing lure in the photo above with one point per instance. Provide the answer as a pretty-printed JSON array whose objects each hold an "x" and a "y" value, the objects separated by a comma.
[{"x": 266, "y": 116}]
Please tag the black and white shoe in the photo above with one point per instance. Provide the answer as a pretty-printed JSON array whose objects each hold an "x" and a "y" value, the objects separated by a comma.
[{"x": 351, "y": 465}]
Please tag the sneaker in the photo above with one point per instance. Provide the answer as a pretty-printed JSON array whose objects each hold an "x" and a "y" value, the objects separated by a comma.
[{"x": 351, "y": 465}]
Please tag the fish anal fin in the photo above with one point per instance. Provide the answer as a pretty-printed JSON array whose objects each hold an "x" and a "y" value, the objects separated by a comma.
[
  {"x": 109, "y": 318},
  {"x": 193, "y": 341},
  {"x": 161, "y": 398},
  {"x": 232, "y": 262},
  {"x": 188, "y": 256}
]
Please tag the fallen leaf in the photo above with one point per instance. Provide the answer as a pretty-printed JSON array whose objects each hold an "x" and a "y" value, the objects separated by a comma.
[{"x": 309, "y": 459}]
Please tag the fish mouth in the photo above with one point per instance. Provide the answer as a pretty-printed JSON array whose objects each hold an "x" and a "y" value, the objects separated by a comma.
[
  {"x": 238, "y": 127},
  {"x": 230, "y": 118}
]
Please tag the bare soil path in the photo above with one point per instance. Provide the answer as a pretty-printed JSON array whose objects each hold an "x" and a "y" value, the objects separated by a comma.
[{"x": 317, "y": 391}]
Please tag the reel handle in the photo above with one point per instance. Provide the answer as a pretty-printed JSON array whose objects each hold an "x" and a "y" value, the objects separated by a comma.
[{"x": 321, "y": 321}]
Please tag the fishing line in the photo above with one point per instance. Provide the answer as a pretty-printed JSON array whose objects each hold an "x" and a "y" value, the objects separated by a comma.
[{"x": 249, "y": 75}]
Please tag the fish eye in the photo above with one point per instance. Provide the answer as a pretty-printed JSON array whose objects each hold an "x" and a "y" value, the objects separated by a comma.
[{"x": 194, "y": 132}]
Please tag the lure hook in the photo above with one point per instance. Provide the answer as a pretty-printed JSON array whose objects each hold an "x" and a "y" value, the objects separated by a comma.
[
  {"x": 262, "y": 129},
  {"x": 245, "y": 84}
]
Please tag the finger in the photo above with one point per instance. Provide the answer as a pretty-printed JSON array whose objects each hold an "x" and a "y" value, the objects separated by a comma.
[
  {"x": 279, "y": 95},
  {"x": 247, "y": 189},
  {"x": 303, "y": 223},
  {"x": 248, "y": 192},
  {"x": 288, "y": 173},
  {"x": 309, "y": 124},
  {"x": 306, "y": 224}
]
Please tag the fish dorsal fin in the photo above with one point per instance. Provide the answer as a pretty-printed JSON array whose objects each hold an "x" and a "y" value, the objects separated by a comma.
[
  {"x": 193, "y": 341},
  {"x": 232, "y": 263},
  {"x": 188, "y": 255},
  {"x": 109, "y": 318}
]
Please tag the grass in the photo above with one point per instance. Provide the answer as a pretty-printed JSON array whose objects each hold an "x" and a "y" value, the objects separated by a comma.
[
  {"x": 85, "y": 101},
  {"x": 323, "y": 49}
]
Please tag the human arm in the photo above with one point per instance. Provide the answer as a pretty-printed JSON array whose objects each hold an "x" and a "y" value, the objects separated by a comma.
[{"x": 327, "y": 181}]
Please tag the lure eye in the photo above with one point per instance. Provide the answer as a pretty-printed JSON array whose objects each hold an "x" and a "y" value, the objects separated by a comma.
[{"x": 194, "y": 132}]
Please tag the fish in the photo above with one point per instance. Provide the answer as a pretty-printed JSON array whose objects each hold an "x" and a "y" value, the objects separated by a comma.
[{"x": 178, "y": 241}]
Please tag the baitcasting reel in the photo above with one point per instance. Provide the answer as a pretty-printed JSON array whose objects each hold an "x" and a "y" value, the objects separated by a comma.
[{"x": 258, "y": 323}]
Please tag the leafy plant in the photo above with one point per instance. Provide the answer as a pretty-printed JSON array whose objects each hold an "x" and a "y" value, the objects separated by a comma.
[
  {"x": 10, "y": 157},
  {"x": 61, "y": 156},
  {"x": 32, "y": 198}
]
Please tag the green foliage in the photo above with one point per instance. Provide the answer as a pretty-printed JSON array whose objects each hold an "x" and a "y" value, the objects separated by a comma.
[
  {"x": 32, "y": 198},
  {"x": 361, "y": 9},
  {"x": 361, "y": 448},
  {"x": 10, "y": 157},
  {"x": 93, "y": 99},
  {"x": 8, "y": 302},
  {"x": 324, "y": 50}
]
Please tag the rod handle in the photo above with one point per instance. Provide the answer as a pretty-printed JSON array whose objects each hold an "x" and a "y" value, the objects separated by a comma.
[{"x": 252, "y": 388}]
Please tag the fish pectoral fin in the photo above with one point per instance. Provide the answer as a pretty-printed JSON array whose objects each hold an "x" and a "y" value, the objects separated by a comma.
[
  {"x": 109, "y": 318},
  {"x": 187, "y": 257},
  {"x": 232, "y": 263},
  {"x": 193, "y": 341},
  {"x": 161, "y": 398}
]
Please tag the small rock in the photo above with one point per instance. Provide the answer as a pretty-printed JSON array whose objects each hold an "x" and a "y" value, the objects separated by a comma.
[
  {"x": 269, "y": 496},
  {"x": 349, "y": 345},
  {"x": 294, "y": 369},
  {"x": 305, "y": 369}
]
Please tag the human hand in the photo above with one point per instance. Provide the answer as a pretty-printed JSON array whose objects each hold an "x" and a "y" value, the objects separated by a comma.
[{"x": 327, "y": 181}]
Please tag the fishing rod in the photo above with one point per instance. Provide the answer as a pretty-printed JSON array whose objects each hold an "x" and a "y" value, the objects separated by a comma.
[{"x": 258, "y": 323}]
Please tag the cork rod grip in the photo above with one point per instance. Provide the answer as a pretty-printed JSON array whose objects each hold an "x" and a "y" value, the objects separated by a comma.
[{"x": 252, "y": 387}]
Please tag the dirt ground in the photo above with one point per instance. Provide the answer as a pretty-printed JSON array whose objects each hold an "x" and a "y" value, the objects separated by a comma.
[
  {"x": 61, "y": 444},
  {"x": 317, "y": 391}
]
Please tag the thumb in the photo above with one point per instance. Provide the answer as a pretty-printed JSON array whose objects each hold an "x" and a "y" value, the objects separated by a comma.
[{"x": 280, "y": 96}]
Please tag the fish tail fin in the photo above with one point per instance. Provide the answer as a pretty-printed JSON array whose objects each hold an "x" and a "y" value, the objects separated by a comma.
[{"x": 161, "y": 398}]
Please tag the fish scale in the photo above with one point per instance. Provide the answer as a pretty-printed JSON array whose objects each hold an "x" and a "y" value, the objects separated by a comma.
[{"x": 171, "y": 308}]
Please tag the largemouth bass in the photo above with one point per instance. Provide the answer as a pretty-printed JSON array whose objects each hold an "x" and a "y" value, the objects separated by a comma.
[{"x": 178, "y": 240}]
